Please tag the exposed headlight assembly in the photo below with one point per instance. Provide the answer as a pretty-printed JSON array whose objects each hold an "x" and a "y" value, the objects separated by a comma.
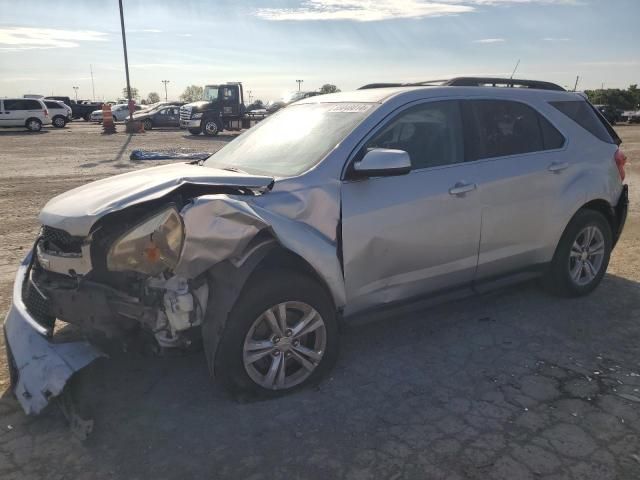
[
  {"x": 196, "y": 116},
  {"x": 151, "y": 247}
]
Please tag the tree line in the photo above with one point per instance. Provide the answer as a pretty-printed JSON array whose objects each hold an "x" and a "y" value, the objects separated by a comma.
[{"x": 628, "y": 99}]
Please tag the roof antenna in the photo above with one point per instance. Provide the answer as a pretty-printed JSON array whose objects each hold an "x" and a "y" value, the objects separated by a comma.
[
  {"x": 514, "y": 70},
  {"x": 575, "y": 87}
]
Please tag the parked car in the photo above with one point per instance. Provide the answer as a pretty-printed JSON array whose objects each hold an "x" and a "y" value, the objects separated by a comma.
[
  {"x": 59, "y": 112},
  {"x": 80, "y": 109},
  {"x": 630, "y": 116},
  {"x": 161, "y": 116},
  {"x": 30, "y": 113},
  {"x": 337, "y": 205},
  {"x": 120, "y": 113}
]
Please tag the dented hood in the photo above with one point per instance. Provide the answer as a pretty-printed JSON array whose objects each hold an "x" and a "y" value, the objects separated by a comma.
[{"x": 77, "y": 210}]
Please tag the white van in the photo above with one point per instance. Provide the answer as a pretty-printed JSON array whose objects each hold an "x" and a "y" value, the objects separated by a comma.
[{"x": 31, "y": 113}]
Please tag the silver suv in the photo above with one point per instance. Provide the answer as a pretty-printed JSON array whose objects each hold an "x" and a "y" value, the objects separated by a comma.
[{"x": 334, "y": 206}]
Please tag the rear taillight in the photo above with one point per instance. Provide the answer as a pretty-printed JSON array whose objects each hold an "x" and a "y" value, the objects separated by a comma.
[
  {"x": 46, "y": 112},
  {"x": 621, "y": 160}
]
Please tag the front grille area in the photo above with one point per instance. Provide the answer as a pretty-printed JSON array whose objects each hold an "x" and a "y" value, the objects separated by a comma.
[
  {"x": 37, "y": 305},
  {"x": 185, "y": 113},
  {"x": 56, "y": 240}
]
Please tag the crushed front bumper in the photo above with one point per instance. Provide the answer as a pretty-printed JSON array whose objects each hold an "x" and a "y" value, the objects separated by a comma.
[{"x": 41, "y": 368}]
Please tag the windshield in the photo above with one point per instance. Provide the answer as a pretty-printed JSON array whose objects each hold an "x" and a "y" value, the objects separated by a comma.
[
  {"x": 210, "y": 93},
  {"x": 291, "y": 141}
]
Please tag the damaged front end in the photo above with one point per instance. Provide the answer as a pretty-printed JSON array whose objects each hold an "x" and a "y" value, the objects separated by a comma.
[{"x": 116, "y": 280}]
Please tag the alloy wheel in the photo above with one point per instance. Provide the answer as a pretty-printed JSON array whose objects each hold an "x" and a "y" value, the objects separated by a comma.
[
  {"x": 284, "y": 345},
  {"x": 586, "y": 255}
]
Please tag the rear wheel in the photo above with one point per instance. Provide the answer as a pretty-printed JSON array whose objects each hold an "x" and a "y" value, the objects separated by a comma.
[
  {"x": 582, "y": 256},
  {"x": 148, "y": 124},
  {"x": 87, "y": 117},
  {"x": 59, "y": 121},
  {"x": 194, "y": 131},
  {"x": 34, "y": 125},
  {"x": 281, "y": 334}
]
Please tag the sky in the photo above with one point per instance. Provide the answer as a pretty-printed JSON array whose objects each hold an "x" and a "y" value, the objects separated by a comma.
[{"x": 48, "y": 47}]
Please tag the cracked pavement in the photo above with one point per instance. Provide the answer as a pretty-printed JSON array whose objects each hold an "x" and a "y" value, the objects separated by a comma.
[{"x": 515, "y": 384}]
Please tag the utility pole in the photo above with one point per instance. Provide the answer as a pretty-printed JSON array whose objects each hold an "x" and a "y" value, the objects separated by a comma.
[
  {"x": 126, "y": 60},
  {"x": 93, "y": 87},
  {"x": 575, "y": 87},
  {"x": 75, "y": 90},
  {"x": 299, "y": 82},
  {"x": 249, "y": 92},
  {"x": 165, "y": 89},
  {"x": 514, "y": 70}
]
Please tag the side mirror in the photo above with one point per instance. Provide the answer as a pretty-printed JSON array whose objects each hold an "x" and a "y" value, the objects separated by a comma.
[{"x": 383, "y": 162}]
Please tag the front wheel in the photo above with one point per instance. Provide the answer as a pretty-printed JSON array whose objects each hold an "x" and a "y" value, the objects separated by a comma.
[
  {"x": 194, "y": 131},
  {"x": 281, "y": 334},
  {"x": 148, "y": 124},
  {"x": 582, "y": 256},
  {"x": 210, "y": 127}
]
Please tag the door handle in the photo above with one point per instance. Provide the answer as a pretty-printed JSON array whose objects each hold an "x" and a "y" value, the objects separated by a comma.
[
  {"x": 557, "y": 167},
  {"x": 461, "y": 188}
]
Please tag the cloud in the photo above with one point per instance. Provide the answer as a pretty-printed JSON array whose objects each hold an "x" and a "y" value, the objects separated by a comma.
[
  {"x": 490, "y": 40},
  {"x": 363, "y": 10},
  {"x": 24, "y": 38},
  {"x": 185, "y": 35},
  {"x": 377, "y": 10}
]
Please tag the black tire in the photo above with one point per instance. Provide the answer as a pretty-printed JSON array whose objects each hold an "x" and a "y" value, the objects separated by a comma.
[
  {"x": 87, "y": 117},
  {"x": 210, "y": 127},
  {"x": 148, "y": 124},
  {"x": 33, "y": 124},
  {"x": 194, "y": 131},
  {"x": 558, "y": 279},
  {"x": 264, "y": 290},
  {"x": 59, "y": 121}
]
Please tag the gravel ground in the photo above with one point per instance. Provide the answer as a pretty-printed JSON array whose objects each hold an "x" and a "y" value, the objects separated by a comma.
[{"x": 511, "y": 385}]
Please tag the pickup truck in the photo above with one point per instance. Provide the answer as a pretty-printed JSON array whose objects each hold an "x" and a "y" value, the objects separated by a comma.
[{"x": 80, "y": 109}]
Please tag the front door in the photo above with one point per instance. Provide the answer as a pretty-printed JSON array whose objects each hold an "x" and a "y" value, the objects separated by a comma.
[{"x": 413, "y": 234}]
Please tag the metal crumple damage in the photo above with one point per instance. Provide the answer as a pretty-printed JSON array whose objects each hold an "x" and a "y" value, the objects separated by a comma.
[
  {"x": 220, "y": 227},
  {"x": 43, "y": 368}
]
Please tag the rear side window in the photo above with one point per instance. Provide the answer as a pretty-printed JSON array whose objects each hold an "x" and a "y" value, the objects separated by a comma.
[
  {"x": 583, "y": 114},
  {"x": 52, "y": 105},
  {"x": 32, "y": 105},
  {"x": 499, "y": 128}
]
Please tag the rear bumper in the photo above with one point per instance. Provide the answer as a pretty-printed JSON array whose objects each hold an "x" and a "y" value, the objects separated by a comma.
[
  {"x": 621, "y": 210},
  {"x": 40, "y": 367}
]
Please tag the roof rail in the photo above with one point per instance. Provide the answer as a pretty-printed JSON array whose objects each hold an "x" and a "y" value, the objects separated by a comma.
[{"x": 474, "y": 82}]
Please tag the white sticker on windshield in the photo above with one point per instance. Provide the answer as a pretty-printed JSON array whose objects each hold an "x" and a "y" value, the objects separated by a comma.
[{"x": 350, "y": 108}]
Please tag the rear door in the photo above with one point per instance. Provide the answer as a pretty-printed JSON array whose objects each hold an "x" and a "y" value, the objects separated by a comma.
[
  {"x": 412, "y": 234},
  {"x": 522, "y": 168}
]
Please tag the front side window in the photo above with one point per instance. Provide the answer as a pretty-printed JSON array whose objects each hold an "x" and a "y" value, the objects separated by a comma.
[{"x": 430, "y": 133}]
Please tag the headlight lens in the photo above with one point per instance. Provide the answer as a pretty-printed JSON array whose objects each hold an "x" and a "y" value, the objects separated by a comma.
[
  {"x": 151, "y": 247},
  {"x": 195, "y": 116}
]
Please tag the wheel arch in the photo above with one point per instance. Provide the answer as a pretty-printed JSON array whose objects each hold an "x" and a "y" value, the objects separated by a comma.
[{"x": 26, "y": 122}]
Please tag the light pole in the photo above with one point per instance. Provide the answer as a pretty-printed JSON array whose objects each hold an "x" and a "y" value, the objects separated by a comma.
[
  {"x": 75, "y": 90},
  {"x": 126, "y": 60},
  {"x": 249, "y": 92},
  {"x": 299, "y": 82},
  {"x": 165, "y": 89}
]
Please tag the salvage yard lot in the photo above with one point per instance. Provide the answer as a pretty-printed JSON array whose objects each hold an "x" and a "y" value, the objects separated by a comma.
[{"x": 515, "y": 384}]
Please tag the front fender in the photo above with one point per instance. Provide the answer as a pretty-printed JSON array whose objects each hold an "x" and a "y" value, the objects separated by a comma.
[{"x": 219, "y": 227}]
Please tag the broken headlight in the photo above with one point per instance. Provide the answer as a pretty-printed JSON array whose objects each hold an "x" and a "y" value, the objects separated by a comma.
[{"x": 151, "y": 247}]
